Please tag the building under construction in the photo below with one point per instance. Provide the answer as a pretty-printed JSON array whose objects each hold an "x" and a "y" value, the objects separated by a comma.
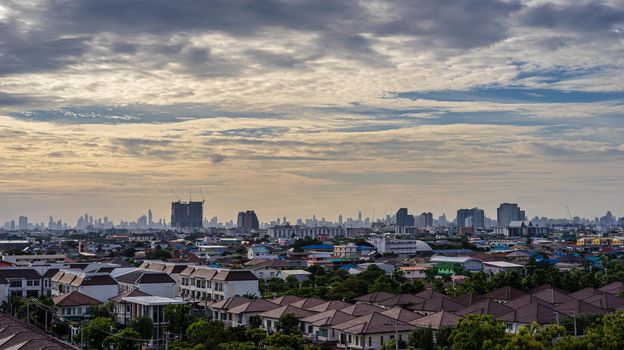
[{"x": 187, "y": 214}]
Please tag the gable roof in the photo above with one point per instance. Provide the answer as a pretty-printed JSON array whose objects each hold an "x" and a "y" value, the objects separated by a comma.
[
  {"x": 17, "y": 335},
  {"x": 286, "y": 299},
  {"x": 553, "y": 295},
  {"x": 288, "y": 309},
  {"x": 74, "y": 299},
  {"x": 235, "y": 275},
  {"x": 375, "y": 297},
  {"x": 373, "y": 323},
  {"x": 133, "y": 293},
  {"x": 437, "y": 304},
  {"x": 229, "y": 302},
  {"x": 258, "y": 305},
  {"x": 584, "y": 293},
  {"x": 576, "y": 306},
  {"x": 506, "y": 293},
  {"x": 468, "y": 298},
  {"x": 330, "y": 305},
  {"x": 527, "y": 314},
  {"x": 401, "y": 299},
  {"x": 401, "y": 314},
  {"x": 613, "y": 288},
  {"x": 145, "y": 277},
  {"x": 486, "y": 307},
  {"x": 436, "y": 320},
  {"x": 328, "y": 318},
  {"x": 308, "y": 303},
  {"x": 526, "y": 300},
  {"x": 606, "y": 301},
  {"x": 362, "y": 309},
  {"x": 19, "y": 273}
]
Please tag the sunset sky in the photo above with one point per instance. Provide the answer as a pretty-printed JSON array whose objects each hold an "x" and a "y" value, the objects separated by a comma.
[{"x": 294, "y": 108}]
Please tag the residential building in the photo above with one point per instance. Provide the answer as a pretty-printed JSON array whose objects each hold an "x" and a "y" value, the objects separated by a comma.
[
  {"x": 371, "y": 331},
  {"x": 259, "y": 252},
  {"x": 154, "y": 308},
  {"x": 199, "y": 283},
  {"x": 296, "y": 231},
  {"x": 74, "y": 305},
  {"x": 97, "y": 285},
  {"x": 22, "y": 282},
  {"x": 387, "y": 245},
  {"x": 187, "y": 214},
  {"x": 150, "y": 282}
]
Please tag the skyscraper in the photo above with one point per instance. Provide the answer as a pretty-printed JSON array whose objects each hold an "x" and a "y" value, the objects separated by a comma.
[
  {"x": 508, "y": 212},
  {"x": 247, "y": 220},
  {"x": 425, "y": 219},
  {"x": 476, "y": 216},
  {"x": 23, "y": 223},
  {"x": 403, "y": 219},
  {"x": 187, "y": 214}
]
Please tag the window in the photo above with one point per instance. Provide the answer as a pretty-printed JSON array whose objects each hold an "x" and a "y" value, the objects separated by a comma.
[
  {"x": 310, "y": 329},
  {"x": 370, "y": 341},
  {"x": 240, "y": 318},
  {"x": 16, "y": 283}
]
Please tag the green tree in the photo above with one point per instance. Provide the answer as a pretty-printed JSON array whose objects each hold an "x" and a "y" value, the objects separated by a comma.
[
  {"x": 178, "y": 318},
  {"x": 235, "y": 345},
  {"x": 281, "y": 341},
  {"x": 255, "y": 321},
  {"x": 289, "y": 324},
  {"x": 96, "y": 330},
  {"x": 101, "y": 310},
  {"x": 478, "y": 332},
  {"x": 421, "y": 339},
  {"x": 608, "y": 334},
  {"x": 126, "y": 339},
  {"x": 144, "y": 326},
  {"x": 385, "y": 283}
]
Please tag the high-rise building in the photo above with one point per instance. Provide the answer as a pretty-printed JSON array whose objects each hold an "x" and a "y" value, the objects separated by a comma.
[
  {"x": 187, "y": 214},
  {"x": 462, "y": 214},
  {"x": 508, "y": 212},
  {"x": 425, "y": 219},
  {"x": 23, "y": 223},
  {"x": 476, "y": 216},
  {"x": 403, "y": 219},
  {"x": 150, "y": 217},
  {"x": 247, "y": 220}
]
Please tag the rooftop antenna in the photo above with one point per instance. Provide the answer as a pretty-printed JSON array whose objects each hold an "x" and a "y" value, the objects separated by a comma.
[
  {"x": 190, "y": 197},
  {"x": 202, "y": 195}
]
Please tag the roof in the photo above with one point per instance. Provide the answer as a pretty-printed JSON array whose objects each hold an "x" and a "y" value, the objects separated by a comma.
[
  {"x": 153, "y": 300},
  {"x": 318, "y": 246},
  {"x": 288, "y": 309},
  {"x": 575, "y": 306},
  {"x": 259, "y": 305},
  {"x": 553, "y": 295},
  {"x": 229, "y": 302},
  {"x": 373, "y": 323},
  {"x": 50, "y": 273},
  {"x": 328, "y": 318},
  {"x": 401, "y": 314},
  {"x": 133, "y": 293},
  {"x": 145, "y": 277},
  {"x": 505, "y": 293},
  {"x": 98, "y": 280},
  {"x": 74, "y": 299},
  {"x": 526, "y": 300},
  {"x": 613, "y": 288},
  {"x": 17, "y": 335},
  {"x": 235, "y": 275},
  {"x": 452, "y": 259},
  {"x": 362, "y": 309},
  {"x": 259, "y": 249},
  {"x": 533, "y": 312},
  {"x": 19, "y": 273},
  {"x": 401, "y": 299},
  {"x": 486, "y": 307},
  {"x": 585, "y": 293},
  {"x": 502, "y": 264},
  {"x": 375, "y": 297},
  {"x": 468, "y": 298},
  {"x": 286, "y": 299},
  {"x": 437, "y": 320},
  {"x": 308, "y": 303},
  {"x": 330, "y": 305},
  {"x": 437, "y": 304},
  {"x": 606, "y": 300}
]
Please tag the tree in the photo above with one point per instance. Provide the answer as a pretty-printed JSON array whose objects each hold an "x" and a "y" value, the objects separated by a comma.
[
  {"x": 385, "y": 283},
  {"x": 608, "y": 334},
  {"x": 95, "y": 331},
  {"x": 101, "y": 310},
  {"x": 144, "y": 326},
  {"x": 126, "y": 339},
  {"x": 478, "y": 332},
  {"x": 281, "y": 341},
  {"x": 179, "y": 318},
  {"x": 129, "y": 252},
  {"x": 255, "y": 321},
  {"x": 209, "y": 333},
  {"x": 421, "y": 339},
  {"x": 235, "y": 345},
  {"x": 289, "y": 324}
]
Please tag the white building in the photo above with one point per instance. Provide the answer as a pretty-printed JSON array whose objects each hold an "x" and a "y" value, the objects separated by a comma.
[
  {"x": 259, "y": 252},
  {"x": 150, "y": 282},
  {"x": 384, "y": 245},
  {"x": 202, "y": 283},
  {"x": 154, "y": 308},
  {"x": 288, "y": 231},
  {"x": 501, "y": 266},
  {"x": 98, "y": 285},
  {"x": 466, "y": 262}
]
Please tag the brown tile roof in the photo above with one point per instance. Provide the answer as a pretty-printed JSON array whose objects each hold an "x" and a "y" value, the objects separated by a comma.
[
  {"x": 235, "y": 275},
  {"x": 145, "y": 277},
  {"x": 308, "y": 303},
  {"x": 207, "y": 274},
  {"x": 229, "y": 302},
  {"x": 259, "y": 305},
  {"x": 437, "y": 304},
  {"x": 485, "y": 307},
  {"x": 286, "y": 299},
  {"x": 468, "y": 299},
  {"x": 526, "y": 300},
  {"x": 74, "y": 299},
  {"x": 505, "y": 294},
  {"x": 133, "y": 293},
  {"x": 585, "y": 293},
  {"x": 576, "y": 306},
  {"x": 330, "y": 305},
  {"x": 97, "y": 280},
  {"x": 437, "y": 320},
  {"x": 17, "y": 335},
  {"x": 360, "y": 309},
  {"x": 429, "y": 294},
  {"x": 375, "y": 297},
  {"x": 373, "y": 323},
  {"x": 606, "y": 301},
  {"x": 535, "y": 311},
  {"x": 399, "y": 313},
  {"x": 288, "y": 309},
  {"x": 613, "y": 288},
  {"x": 50, "y": 273},
  {"x": 328, "y": 318},
  {"x": 187, "y": 271},
  {"x": 401, "y": 299},
  {"x": 20, "y": 273},
  {"x": 553, "y": 295}
]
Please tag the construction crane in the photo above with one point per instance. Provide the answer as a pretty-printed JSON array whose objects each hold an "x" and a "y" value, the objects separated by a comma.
[
  {"x": 570, "y": 214},
  {"x": 176, "y": 195},
  {"x": 202, "y": 195}
]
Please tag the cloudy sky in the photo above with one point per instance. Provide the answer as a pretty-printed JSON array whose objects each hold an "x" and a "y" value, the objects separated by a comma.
[{"x": 310, "y": 107}]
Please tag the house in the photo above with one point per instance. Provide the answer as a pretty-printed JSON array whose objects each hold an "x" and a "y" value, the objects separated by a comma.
[
  {"x": 241, "y": 314},
  {"x": 74, "y": 305},
  {"x": 412, "y": 273},
  {"x": 436, "y": 321},
  {"x": 403, "y": 247},
  {"x": 259, "y": 252},
  {"x": 201, "y": 283},
  {"x": 22, "y": 282},
  {"x": 268, "y": 269},
  {"x": 501, "y": 266},
  {"x": 154, "y": 308},
  {"x": 447, "y": 265},
  {"x": 99, "y": 285},
  {"x": 318, "y": 327},
  {"x": 299, "y": 275},
  {"x": 21, "y": 335},
  {"x": 152, "y": 283},
  {"x": 121, "y": 309},
  {"x": 219, "y": 310},
  {"x": 371, "y": 331},
  {"x": 270, "y": 319},
  {"x": 346, "y": 250}
]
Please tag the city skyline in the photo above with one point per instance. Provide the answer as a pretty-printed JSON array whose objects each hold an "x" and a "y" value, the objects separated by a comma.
[{"x": 306, "y": 107}]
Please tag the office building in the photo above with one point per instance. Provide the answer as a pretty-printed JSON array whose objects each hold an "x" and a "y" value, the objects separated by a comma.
[
  {"x": 425, "y": 219},
  {"x": 403, "y": 219},
  {"x": 248, "y": 221},
  {"x": 474, "y": 218},
  {"x": 508, "y": 212},
  {"x": 23, "y": 223},
  {"x": 187, "y": 214}
]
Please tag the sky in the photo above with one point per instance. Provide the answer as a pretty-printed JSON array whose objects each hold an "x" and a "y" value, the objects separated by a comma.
[{"x": 294, "y": 108}]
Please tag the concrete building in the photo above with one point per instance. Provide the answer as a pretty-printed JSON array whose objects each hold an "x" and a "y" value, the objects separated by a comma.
[
  {"x": 150, "y": 282},
  {"x": 154, "y": 308},
  {"x": 97, "y": 285},
  {"x": 508, "y": 212},
  {"x": 248, "y": 221},
  {"x": 296, "y": 231},
  {"x": 385, "y": 244},
  {"x": 202, "y": 284},
  {"x": 187, "y": 214}
]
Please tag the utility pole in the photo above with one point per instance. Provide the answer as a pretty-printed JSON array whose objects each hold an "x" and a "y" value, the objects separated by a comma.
[
  {"x": 574, "y": 318},
  {"x": 46, "y": 321},
  {"x": 28, "y": 311},
  {"x": 82, "y": 342},
  {"x": 166, "y": 340}
]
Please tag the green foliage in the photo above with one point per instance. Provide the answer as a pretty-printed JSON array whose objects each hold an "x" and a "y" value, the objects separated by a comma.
[
  {"x": 101, "y": 310},
  {"x": 385, "y": 283},
  {"x": 179, "y": 318},
  {"x": 609, "y": 334},
  {"x": 289, "y": 324},
  {"x": 421, "y": 339},
  {"x": 158, "y": 254},
  {"x": 478, "y": 332},
  {"x": 126, "y": 339},
  {"x": 255, "y": 321},
  {"x": 144, "y": 326},
  {"x": 95, "y": 331},
  {"x": 129, "y": 252},
  {"x": 281, "y": 341},
  {"x": 300, "y": 243},
  {"x": 235, "y": 345}
]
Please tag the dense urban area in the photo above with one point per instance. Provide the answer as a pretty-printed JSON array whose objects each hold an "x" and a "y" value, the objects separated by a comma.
[{"x": 399, "y": 282}]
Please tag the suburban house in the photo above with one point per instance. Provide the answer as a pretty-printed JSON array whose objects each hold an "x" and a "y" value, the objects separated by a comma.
[
  {"x": 152, "y": 283},
  {"x": 100, "y": 285},
  {"x": 74, "y": 305}
]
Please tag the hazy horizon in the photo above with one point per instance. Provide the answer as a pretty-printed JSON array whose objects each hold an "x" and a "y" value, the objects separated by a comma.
[{"x": 294, "y": 108}]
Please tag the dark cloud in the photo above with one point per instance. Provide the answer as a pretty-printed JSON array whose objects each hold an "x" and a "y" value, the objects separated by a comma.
[
  {"x": 142, "y": 147},
  {"x": 590, "y": 16}
]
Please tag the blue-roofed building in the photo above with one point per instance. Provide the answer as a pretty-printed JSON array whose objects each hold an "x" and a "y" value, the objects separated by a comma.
[
  {"x": 318, "y": 248},
  {"x": 259, "y": 252}
]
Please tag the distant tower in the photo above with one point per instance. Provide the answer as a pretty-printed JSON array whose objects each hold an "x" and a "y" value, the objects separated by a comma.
[{"x": 150, "y": 217}]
